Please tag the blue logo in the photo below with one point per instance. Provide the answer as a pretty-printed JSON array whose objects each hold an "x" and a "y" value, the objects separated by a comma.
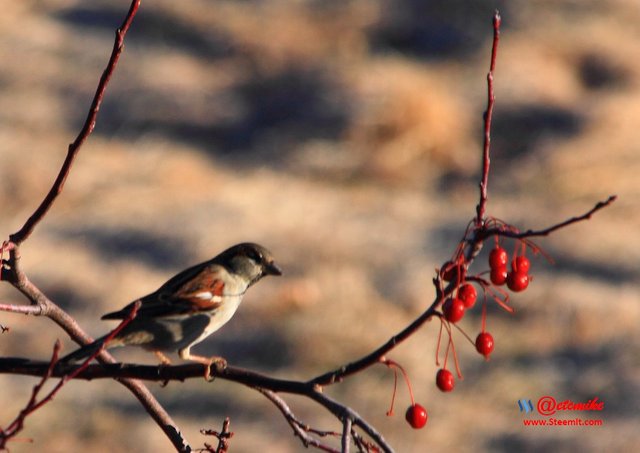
[{"x": 525, "y": 406}]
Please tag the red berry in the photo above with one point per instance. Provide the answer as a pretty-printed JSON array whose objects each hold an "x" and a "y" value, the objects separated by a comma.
[
  {"x": 444, "y": 380},
  {"x": 517, "y": 281},
  {"x": 484, "y": 344},
  {"x": 416, "y": 416},
  {"x": 498, "y": 275},
  {"x": 498, "y": 258},
  {"x": 468, "y": 294},
  {"x": 453, "y": 309},
  {"x": 521, "y": 264}
]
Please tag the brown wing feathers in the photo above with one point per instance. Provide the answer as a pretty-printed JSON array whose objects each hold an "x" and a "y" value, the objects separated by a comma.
[{"x": 201, "y": 290}]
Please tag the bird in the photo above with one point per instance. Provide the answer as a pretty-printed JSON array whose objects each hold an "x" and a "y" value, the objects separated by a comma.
[{"x": 188, "y": 307}]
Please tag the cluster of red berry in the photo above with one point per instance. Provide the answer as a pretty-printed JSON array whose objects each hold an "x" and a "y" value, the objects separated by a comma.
[
  {"x": 463, "y": 298},
  {"x": 517, "y": 279}
]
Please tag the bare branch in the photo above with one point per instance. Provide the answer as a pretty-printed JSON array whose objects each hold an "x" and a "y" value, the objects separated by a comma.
[
  {"x": 346, "y": 435},
  {"x": 33, "y": 405},
  {"x": 300, "y": 429},
  {"x": 47, "y": 308},
  {"x": 182, "y": 372},
  {"x": 90, "y": 122},
  {"x": 40, "y": 304},
  {"x": 222, "y": 436},
  {"x": 511, "y": 233},
  {"x": 22, "y": 309},
  {"x": 488, "y": 115},
  {"x": 341, "y": 412}
]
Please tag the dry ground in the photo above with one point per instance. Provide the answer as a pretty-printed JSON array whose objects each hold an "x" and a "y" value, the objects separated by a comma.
[{"x": 345, "y": 136}]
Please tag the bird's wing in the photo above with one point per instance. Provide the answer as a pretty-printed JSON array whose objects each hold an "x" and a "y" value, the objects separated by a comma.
[{"x": 196, "y": 289}]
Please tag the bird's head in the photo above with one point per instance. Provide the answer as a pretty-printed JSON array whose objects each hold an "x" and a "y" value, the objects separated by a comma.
[{"x": 251, "y": 261}]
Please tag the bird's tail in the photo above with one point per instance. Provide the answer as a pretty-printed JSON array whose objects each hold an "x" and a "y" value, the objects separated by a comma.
[{"x": 86, "y": 351}]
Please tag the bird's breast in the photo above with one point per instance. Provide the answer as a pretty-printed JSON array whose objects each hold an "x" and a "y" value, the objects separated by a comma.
[{"x": 223, "y": 313}]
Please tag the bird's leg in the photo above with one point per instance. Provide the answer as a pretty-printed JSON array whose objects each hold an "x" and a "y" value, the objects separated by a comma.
[
  {"x": 220, "y": 362},
  {"x": 164, "y": 360}
]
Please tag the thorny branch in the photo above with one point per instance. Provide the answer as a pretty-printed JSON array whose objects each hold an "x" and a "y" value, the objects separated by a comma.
[{"x": 271, "y": 388}]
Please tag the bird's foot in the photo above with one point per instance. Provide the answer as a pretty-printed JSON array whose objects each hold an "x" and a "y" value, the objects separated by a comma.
[
  {"x": 220, "y": 364},
  {"x": 164, "y": 361}
]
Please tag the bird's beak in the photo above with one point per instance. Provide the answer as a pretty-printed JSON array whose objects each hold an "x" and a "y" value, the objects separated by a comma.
[{"x": 272, "y": 269}]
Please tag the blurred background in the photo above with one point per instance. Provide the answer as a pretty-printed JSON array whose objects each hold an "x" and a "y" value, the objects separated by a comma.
[{"x": 345, "y": 136}]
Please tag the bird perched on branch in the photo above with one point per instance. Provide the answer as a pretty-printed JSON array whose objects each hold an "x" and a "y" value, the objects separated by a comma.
[{"x": 189, "y": 307}]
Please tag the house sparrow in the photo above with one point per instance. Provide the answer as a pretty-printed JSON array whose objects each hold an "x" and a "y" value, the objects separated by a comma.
[{"x": 190, "y": 306}]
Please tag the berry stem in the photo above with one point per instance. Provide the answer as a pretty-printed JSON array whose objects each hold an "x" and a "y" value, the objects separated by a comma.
[
  {"x": 395, "y": 365},
  {"x": 463, "y": 333},
  {"x": 484, "y": 312},
  {"x": 453, "y": 349},
  {"x": 438, "y": 344},
  {"x": 446, "y": 353},
  {"x": 455, "y": 357},
  {"x": 395, "y": 388},
  {"x": 502, "y": 303}
]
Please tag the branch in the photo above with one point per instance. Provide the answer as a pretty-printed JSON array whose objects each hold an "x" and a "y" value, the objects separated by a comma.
[
  {"x": 300, "y": 429},
  {"x": 46, "y": 307},
  {"x": 260, "y": 382},
  {"x": 374, "y": 357},
  {"x": 222, "y": 436},
  {"x": 33, "y": 404},
  {"x": 40, "y": 304},
  {"x": 488, "y": 114},
  {"x": 346, "y": 435},
  {"x": 34, "y": 310},
  {"x": 511, "y": 233},
  {"x": 90, "y": 122}
]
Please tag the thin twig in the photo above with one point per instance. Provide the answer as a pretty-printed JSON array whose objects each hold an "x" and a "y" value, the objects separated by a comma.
[
  {"x": 89, "y": 124},
  {"x": 488, "y": 115},
  {"x": 222, "y": 436},
  {"x": 33, "y": 404},
  {"x": 341, "y": 412},
  {"x": 515, "y": 234},
  {"x": 34, "y": 310},
  {"x": 299, "y": 428}
]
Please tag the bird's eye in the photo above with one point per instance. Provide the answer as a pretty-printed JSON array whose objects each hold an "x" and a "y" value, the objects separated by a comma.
[{"x": 255, "y": 256}]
